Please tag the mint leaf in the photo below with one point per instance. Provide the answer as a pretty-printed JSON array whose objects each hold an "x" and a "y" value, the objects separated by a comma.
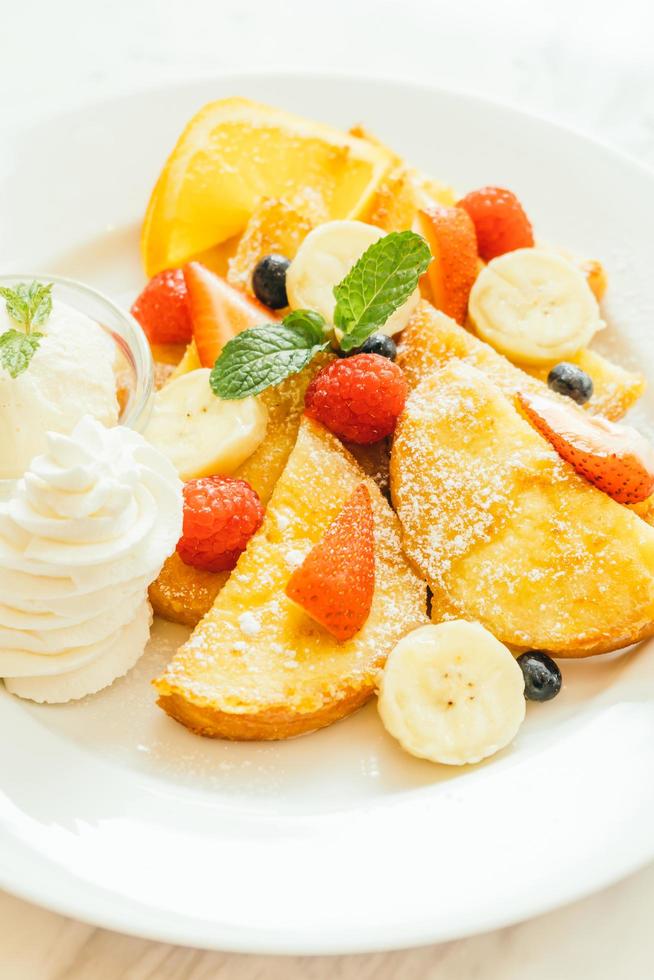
[
  {"x": 380, "y": 282},
  {"x": 263, "y": 356},
  {"x": 17, "y": 350},
  {"x": 312, "y": 324},
  {"x": 30, "y": 304}
]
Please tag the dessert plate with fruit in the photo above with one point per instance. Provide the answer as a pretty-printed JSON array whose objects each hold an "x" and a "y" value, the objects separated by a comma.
[{"x": 326, "y": 515}]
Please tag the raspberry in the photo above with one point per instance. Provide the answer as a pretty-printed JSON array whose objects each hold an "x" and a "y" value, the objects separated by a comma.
[
  {"x": 162, "y": 309},
  {"x": 220, "y": 516},
  {"x": 358, "y": 398},
  {"x": 500, "y": 221},
  {"x": 335, "y": 584}
]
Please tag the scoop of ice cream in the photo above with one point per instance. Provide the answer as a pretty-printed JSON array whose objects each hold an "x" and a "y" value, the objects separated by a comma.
[{"x": 70, "y": 375}]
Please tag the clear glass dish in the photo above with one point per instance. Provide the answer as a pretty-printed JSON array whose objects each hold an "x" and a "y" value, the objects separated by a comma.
[{"x": 134, "y": 366}]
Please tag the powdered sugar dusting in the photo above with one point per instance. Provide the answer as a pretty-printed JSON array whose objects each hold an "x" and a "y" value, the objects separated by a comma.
[{"x": 505, "y": 531}]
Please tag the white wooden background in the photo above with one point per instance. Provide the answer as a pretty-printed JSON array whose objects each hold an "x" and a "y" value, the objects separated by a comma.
[{"x": 587, "y": 63}]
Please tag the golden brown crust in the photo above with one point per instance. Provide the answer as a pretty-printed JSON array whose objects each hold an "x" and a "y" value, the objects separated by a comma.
[
  {"x": 507, "y": 533},
  {"x": 258, "y": 666},
  {"x": 182, "y": 594},
  {"x": 431, "y": 339},
  {"x": 269, "y": 725}
]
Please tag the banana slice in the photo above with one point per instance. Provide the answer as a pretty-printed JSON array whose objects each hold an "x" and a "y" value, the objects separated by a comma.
[
  {"x": 200, "y": 433},
  {"x": 534, "y": 306},
  {"x": 325, "y": 257},
  {"x": 452, "y": 693}
]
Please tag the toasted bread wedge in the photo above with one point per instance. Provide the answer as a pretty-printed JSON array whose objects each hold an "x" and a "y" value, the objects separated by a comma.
[
  {"x": 257, "y": 666},
  {"x": 183, "y": 594},
  {"x": 507, "y": 533},
  {"x": 431, "y": 339},
  {"x": 615, "y": 389}
]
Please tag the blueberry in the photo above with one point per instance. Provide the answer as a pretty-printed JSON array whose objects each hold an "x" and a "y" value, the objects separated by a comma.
[
  {"x": 269, "y": 281},
  {"x": 570, "y": 380},
  {"x": 542, "y": 676},
  {"x": 378, "y": 343}
]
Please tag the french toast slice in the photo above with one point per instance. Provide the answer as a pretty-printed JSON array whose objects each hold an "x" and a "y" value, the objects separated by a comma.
[
  {"x": 431, "y": 338},
  {"x": 257, "y": 666},
  {"x": 183, "y": 594},
  {"x": 506, "y": 532}
]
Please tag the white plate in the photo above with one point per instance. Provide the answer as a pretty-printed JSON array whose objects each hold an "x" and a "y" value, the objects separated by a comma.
[{"x": 336, "y": 842}]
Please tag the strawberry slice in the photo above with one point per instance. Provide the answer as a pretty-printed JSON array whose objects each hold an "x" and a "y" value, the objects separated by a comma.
[
  {"x": 450, "y": 234},
  {"x": 615, "y": 458},
  {"x": 218, "y": 311},
  {"x": 336, "y": 581}
]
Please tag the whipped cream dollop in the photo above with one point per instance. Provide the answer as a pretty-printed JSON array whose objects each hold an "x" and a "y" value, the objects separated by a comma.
[
  {"x": 72, "y": 374},
  {"x": 84, "y": 533}
]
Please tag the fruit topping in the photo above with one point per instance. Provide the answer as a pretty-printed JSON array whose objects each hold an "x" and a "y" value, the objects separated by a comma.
[
  {"x": 615, "y": 458},
  {"x": 326, "y": 257},
  {"x": 162, "y": 309},
  {"x": 218, "y": 311},
  {"x": 220, "y": 516},
  {"x": 569, "y": 379},
  {"x": 542, "y": 676},
  {"x": 335, "y": 583},
  {"x": 269, "y": 281},
  {"x": 275, "y": 228},
  {"x": 201, "y": 434},
  {"x": 375, "y": 289},
  {"x": 452, "y": 693},
  {"x": 500, "y": 221},
  {"x": 377, "y": 343},
  {"x": 358, "y": 398},
  {"x": 534, "y": 306},
  {"x": 234, "y": 153},
  {"x": 453, "y": 270}
]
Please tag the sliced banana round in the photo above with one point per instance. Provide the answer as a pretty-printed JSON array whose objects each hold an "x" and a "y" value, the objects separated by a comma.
[
  {"x": 200, "y": 433},
  {"x": 324, "y": 259},
  {"x": 452, "y": 693},
  {"x": 534, "y": 306}
]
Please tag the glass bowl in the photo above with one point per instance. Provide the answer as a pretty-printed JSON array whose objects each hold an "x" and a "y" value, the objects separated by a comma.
[{"x": 134, "y": 366}]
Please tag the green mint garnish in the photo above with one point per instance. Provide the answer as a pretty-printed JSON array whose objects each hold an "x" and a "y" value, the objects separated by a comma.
[
  {"x": 17, "y": 350},
  {"x": 263, "y": 356},
  {"x": 380, "y": 282},
  {"x": 29, "y": 305}
]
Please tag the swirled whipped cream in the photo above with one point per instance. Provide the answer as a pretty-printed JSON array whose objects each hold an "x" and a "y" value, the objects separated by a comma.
[{"x": 84, "y": 533}]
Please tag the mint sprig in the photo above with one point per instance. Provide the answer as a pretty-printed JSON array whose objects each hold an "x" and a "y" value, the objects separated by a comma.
[
  {"x": 29, "y": 305},
  {"x": 17, "y": 350},
  {"x": 378, "y": 284},
  {"x": 263, "y": 356}
]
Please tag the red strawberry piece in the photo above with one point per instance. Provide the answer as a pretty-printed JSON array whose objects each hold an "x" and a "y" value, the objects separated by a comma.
[
  {"x": 500, "y": 221},
  {"x": 218, "y": 311},
  {"x": 615, "y": 458},
  {"x": 162, "y": 309},
  {"x": 358, "y": 398},
  {"x": 221, "y": 514},
  {"x": 335, "y": 583}
]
